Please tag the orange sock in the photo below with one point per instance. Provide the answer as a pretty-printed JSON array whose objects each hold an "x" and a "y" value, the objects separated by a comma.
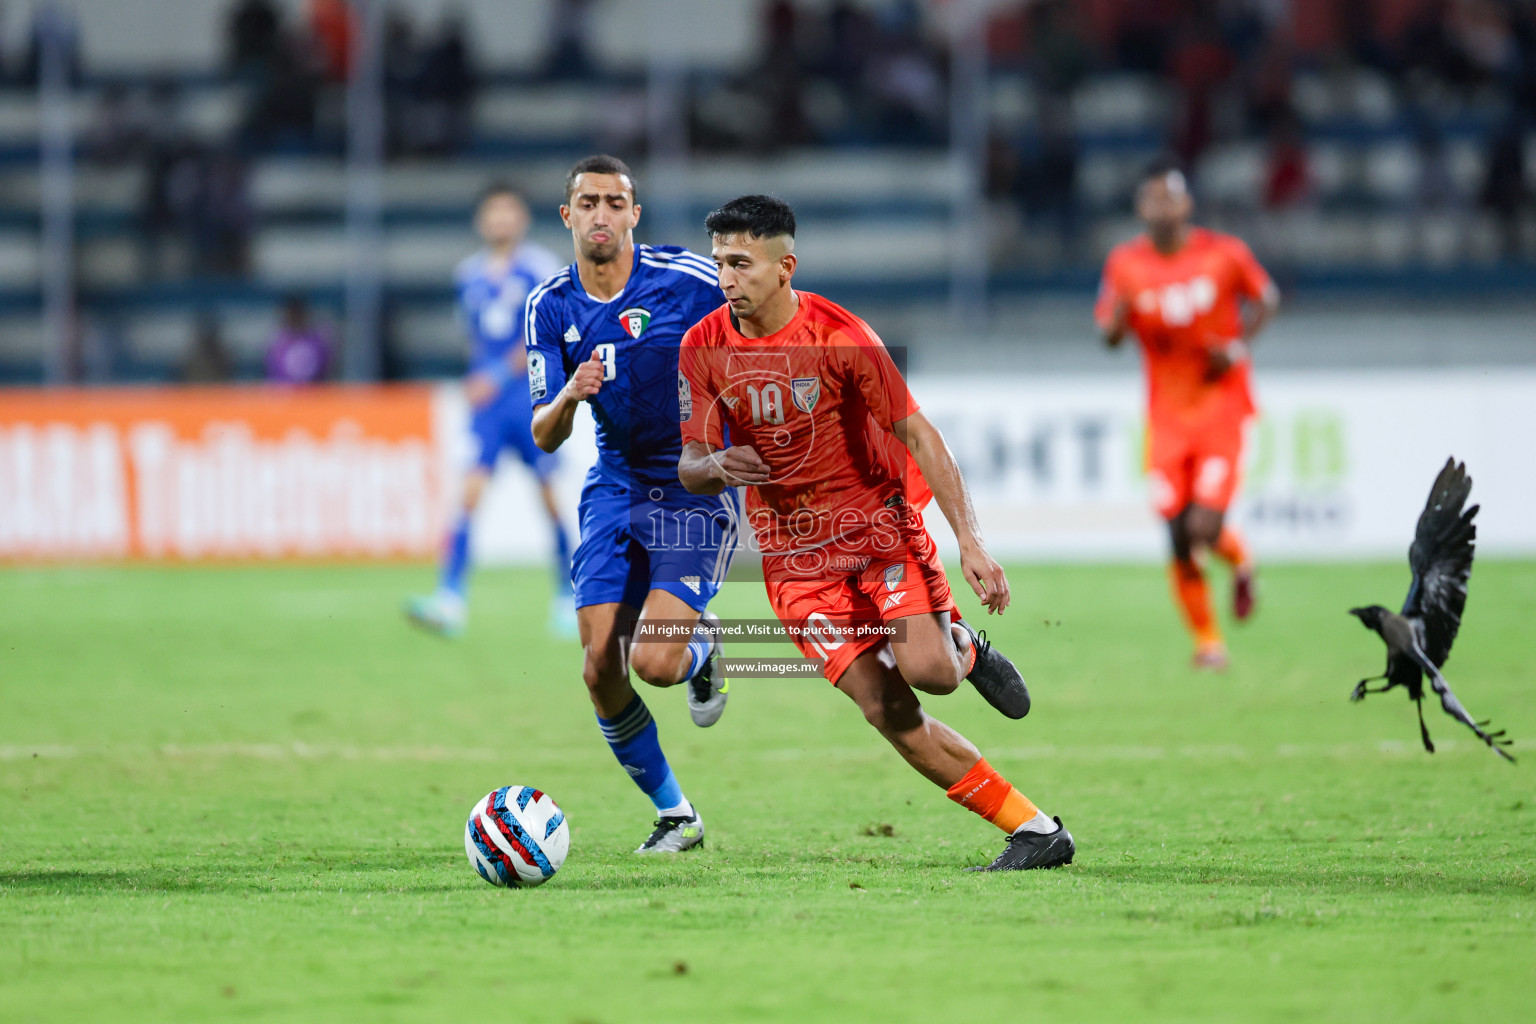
[
  {"x": 1232, "y": 549},
  {"x": 1194, "y": 599},
  {"x": 990, "y": 795}
]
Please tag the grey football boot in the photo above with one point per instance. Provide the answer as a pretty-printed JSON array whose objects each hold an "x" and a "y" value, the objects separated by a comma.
[{"x": 707, "y": 690}]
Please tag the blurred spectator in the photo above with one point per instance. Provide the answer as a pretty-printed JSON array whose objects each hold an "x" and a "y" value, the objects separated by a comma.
[
  {"x": 402, "y": 68},
  {"x": 779, "y": 24},
  {"x": 1287, "y": 177},
  {"x": 1008, "y": 34},
  {"x": 1523, "y": 84},
  {"x": 1435, "y": 192},
  {"x": 172, "y": 183},
  {"x": 446, "y": 90},
  {"x": 1505, "y": 193},
  {"x": 207, "y": 360},
  {"x": 1435, "y": 187},
  {"x": 300, "y": 352},
  {"x": 906, "y": 79},
  {"x": 1429, "y": 47},
  {"x": 429, "y": 87},
  {"x": 1481, "y": 31},
  {"x": 1004, "y": 169},
  {"x": 1061, "y": 61},
  {"x": 332, "y": 27},
  {"x": 566, "y": 55},
  {"x": 1271, "y": 77},
  {"x": 1144, "y": 33},
  {"x": 56, "y": 22},
  {"x": 1199, "y": 64},
  {"x": 1049, "y": 185},
  {"x": 224, "y": 215},
  {"x": 284, "y": 105},
  {"x": 1061, "y": 55},
  {"x": 781, "y": 79},
  {"x": 253, "y": 36},
  {"x": 1360, "y": 35},
  {"x": 852, "y": 40},
  {"x": 120, "y": 126},
  {"x": 99, "y": 347},
  {"x": 1245, "y": 28}
]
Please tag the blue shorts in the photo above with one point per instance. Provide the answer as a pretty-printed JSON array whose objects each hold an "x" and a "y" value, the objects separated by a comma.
[
  {"x": 632, "y": 543},
  {"x": 506, "y": 421}
]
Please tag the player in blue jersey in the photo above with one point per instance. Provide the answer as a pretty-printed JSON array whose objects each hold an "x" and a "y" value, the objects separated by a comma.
[
  {"x": 493, "y": 287},
  {"x": 605, "y": 332}
]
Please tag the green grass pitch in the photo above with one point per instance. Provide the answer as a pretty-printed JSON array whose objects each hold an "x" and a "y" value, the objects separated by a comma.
[{"x": 239, "y": 794}]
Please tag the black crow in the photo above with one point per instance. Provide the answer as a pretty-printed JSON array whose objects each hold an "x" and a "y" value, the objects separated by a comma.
[{"x": 1419, "y": 638}]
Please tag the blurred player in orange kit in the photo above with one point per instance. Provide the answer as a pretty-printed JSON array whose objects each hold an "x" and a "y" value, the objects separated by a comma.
[
  {"x": 795, "y": 398},
  {"x": 1182, "y": 290}
]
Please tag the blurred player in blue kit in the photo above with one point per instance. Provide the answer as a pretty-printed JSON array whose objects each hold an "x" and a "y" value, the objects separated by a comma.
[
  {"x": 493, "y": 287},
  {"x": 605, "y": 333}
]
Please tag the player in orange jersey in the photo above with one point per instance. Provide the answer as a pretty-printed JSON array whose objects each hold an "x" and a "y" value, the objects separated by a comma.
[
  {"x": 1182, "y": 290},
  {"x": 795, "y": 398}
]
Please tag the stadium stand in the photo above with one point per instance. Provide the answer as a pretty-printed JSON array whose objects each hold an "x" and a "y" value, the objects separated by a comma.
[{"x": 1393, "y": 153}]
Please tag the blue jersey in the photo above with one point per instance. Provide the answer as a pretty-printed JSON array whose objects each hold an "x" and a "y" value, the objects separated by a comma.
[
  {"x": 637, "y": 335},
  {"x": 491, "y": 305}
]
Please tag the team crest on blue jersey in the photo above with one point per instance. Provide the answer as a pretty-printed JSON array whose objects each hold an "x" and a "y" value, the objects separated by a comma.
[
  {"x": 805, "y": 392},
  {"x": 635, "y": 320},
  {"x": 894, "y": 574}
]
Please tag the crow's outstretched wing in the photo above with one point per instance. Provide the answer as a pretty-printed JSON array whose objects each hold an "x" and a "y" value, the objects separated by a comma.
[
  {"x": 1441, "y": 560},
  {"x": 1452, "y": 706}
]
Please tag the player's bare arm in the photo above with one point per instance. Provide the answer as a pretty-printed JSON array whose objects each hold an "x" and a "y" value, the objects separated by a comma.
[
  {"x": 939, "y": 468},
  {"x": 704, "y": 469},
  {"x": 1115, "y": 330},
  {"x": 1260, "y": 313},
  {"x": 552, "y": 421}
]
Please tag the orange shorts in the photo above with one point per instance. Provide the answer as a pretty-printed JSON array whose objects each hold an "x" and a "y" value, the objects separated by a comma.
[
  {"x": 834, "y": 613},
  {"x": 1194, "y": 466}
]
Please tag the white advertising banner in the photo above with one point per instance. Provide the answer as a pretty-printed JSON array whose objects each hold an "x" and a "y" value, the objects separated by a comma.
[{"x": 1337, "y": 466}]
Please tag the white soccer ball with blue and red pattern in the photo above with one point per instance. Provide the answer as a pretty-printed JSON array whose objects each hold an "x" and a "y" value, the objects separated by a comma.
[{"x": 517, "y": 837}]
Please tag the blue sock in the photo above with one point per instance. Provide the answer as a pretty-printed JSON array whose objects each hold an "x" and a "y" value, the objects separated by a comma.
[
  {"x": 698, "y": 651},
  {"x": 632, "y": 735},
  {"x": 456, "y": 559},
  {"x": 562, "y": 557}
]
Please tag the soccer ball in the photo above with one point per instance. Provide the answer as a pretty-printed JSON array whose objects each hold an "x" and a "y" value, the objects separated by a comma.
[{"x": 516, "y": 836}]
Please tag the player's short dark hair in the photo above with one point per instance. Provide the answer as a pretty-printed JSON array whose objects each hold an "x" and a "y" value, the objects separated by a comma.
[
  {"x": 1160, "y": 167},
  {"x": 758, "y": 216},
  {"x": 498, "y": 187},
  {"x": 601, "y": 163}
]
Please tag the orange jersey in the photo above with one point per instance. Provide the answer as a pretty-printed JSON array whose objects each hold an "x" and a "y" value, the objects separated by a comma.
[
  {"x": 816, "y": 400},
  {"x": 1181, "y": 306}
]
